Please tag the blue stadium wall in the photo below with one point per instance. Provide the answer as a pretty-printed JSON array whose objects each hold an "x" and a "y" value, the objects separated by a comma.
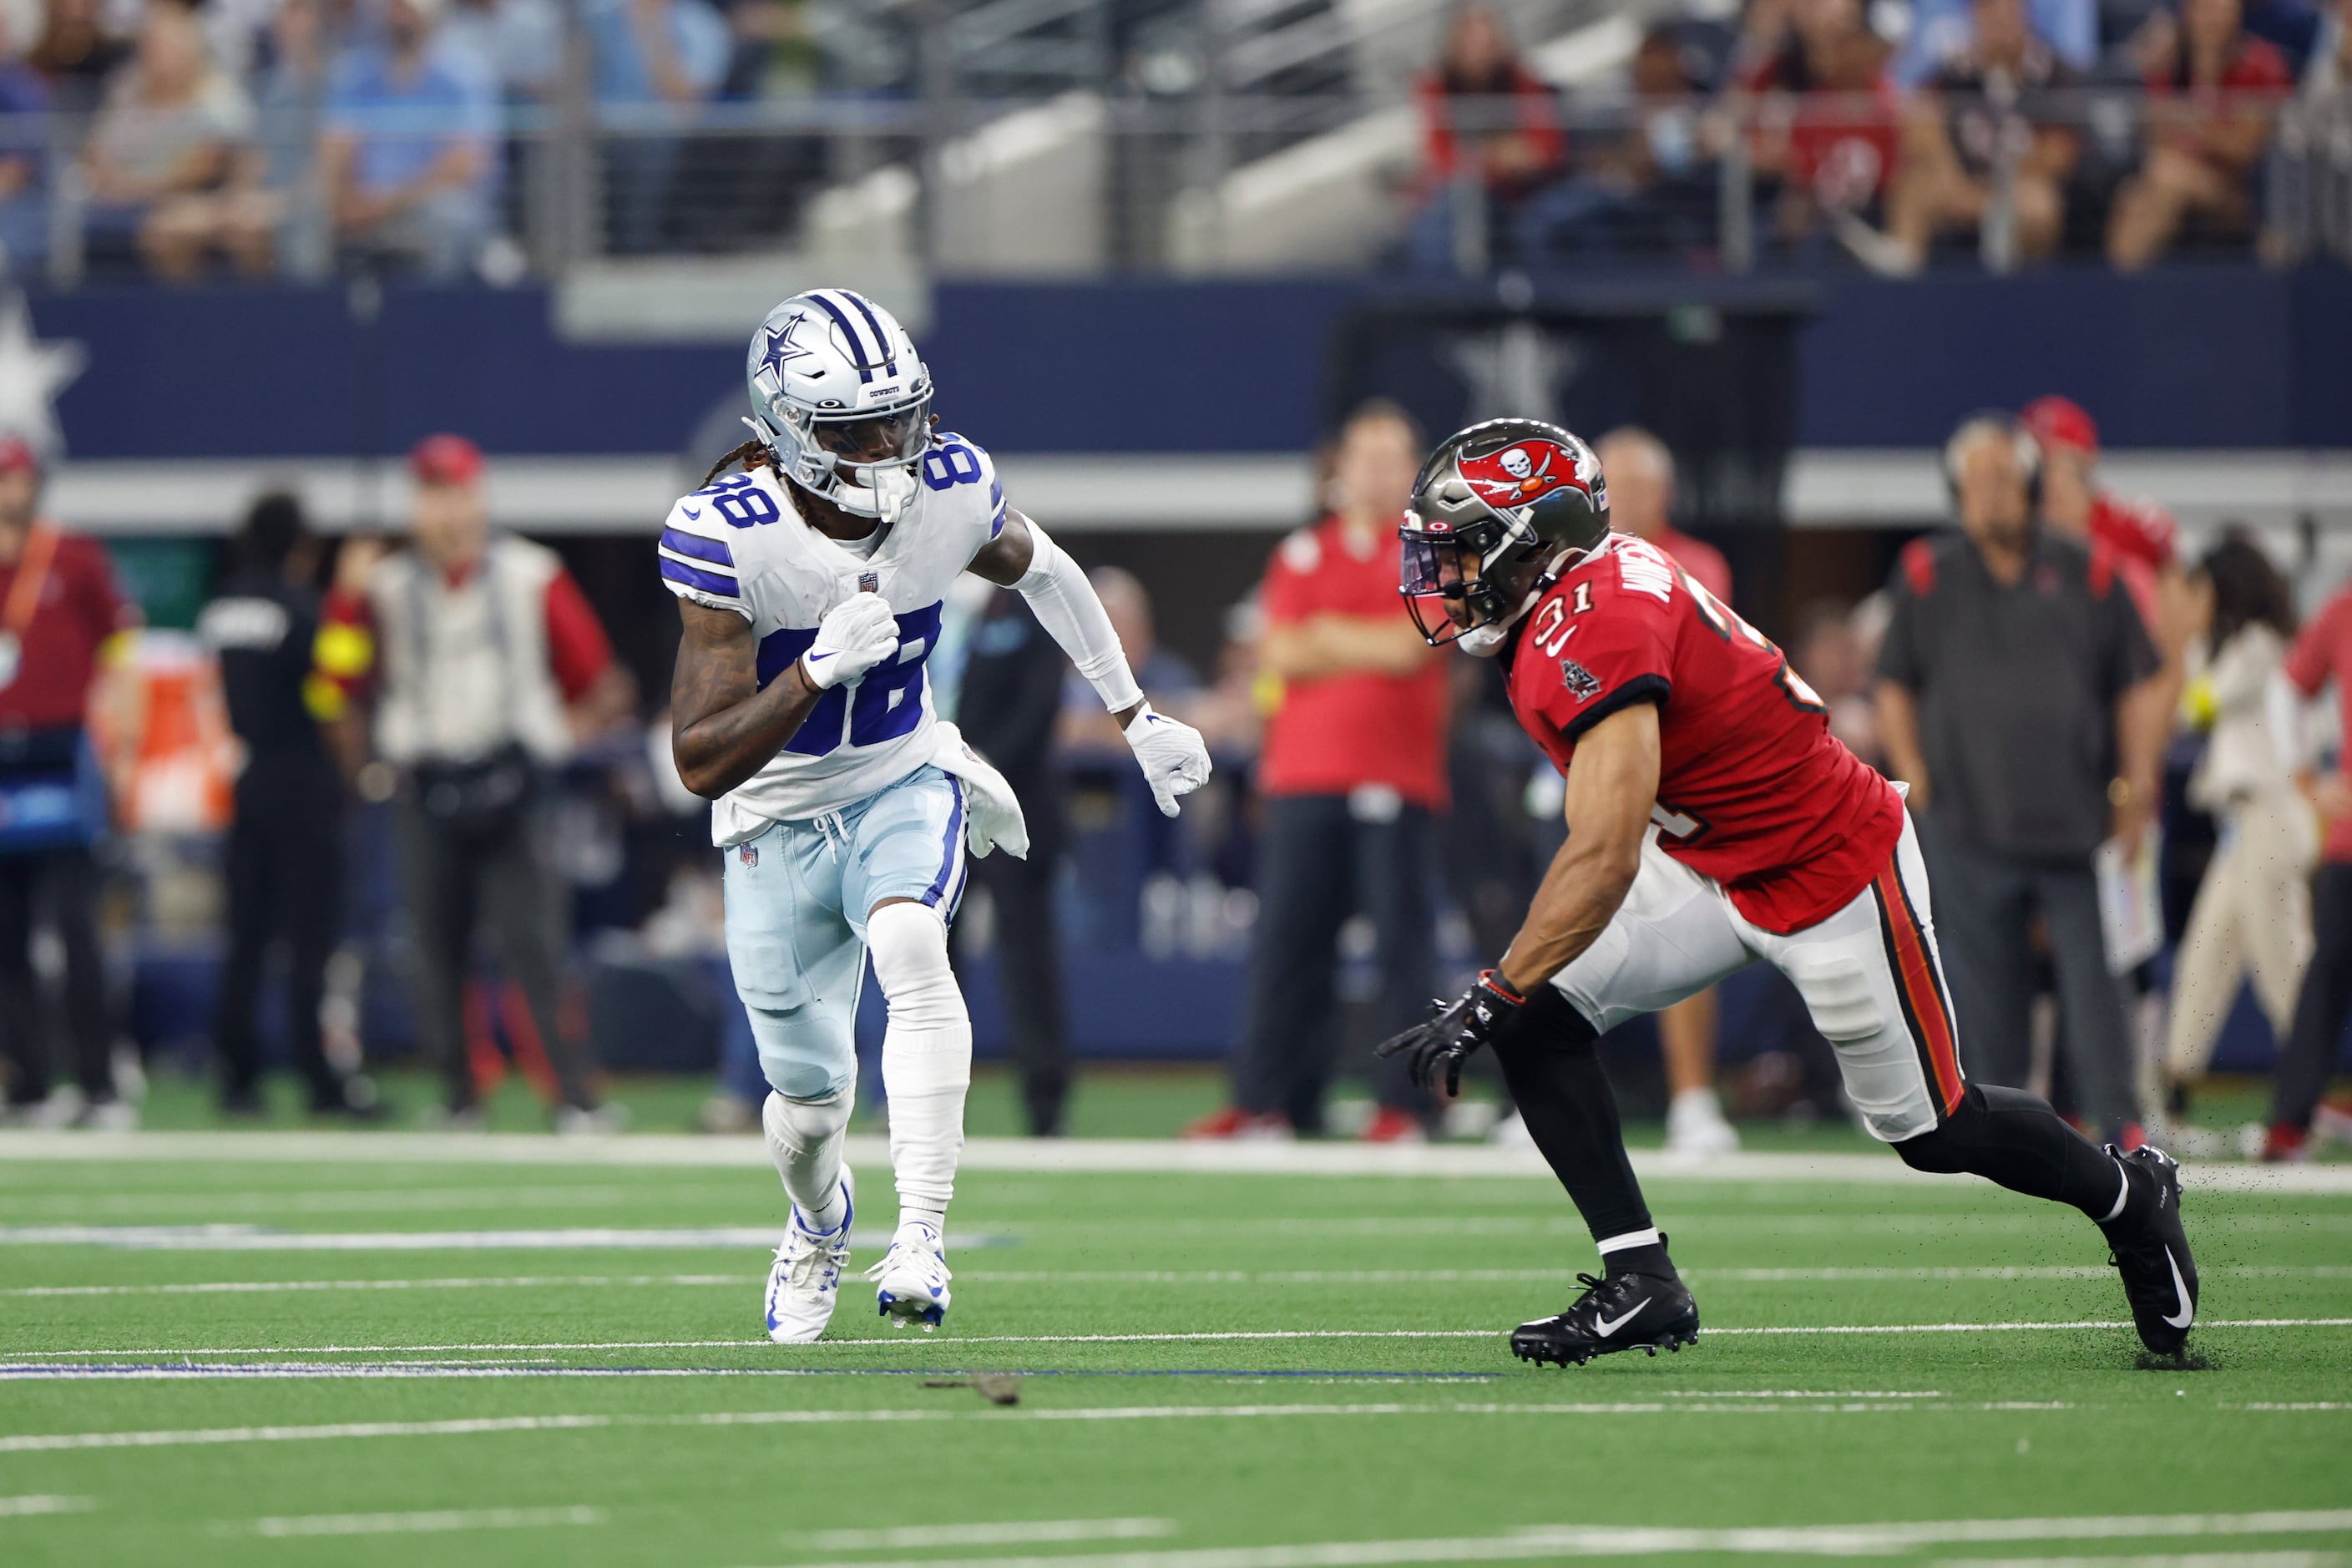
[{"x": 2227, "y": 358}]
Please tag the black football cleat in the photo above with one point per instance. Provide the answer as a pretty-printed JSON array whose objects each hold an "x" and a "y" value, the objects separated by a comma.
[
  {"x": 2152, "y": 1253},
  {"x": 1622, "y": 1312}
]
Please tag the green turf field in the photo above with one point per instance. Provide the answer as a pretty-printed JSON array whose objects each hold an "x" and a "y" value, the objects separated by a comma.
[{"x": 550, "y": 1355}]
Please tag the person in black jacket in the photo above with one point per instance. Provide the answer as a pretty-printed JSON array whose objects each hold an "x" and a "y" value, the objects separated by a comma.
[
  {"x": 285, "y": 861},
  {"x": 1006, "y": 707}
]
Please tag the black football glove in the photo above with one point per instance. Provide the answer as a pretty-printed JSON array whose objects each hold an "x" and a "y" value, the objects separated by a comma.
[{"x": 1470, "y": 1020}]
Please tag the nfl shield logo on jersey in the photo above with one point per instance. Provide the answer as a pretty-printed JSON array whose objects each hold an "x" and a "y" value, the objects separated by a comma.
[
  {"x": 1582, "y": 684},
  {"x": 749, "y": 854}
]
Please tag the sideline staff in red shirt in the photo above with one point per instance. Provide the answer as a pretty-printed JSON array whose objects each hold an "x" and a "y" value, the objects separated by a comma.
[
  {"x": 61, "y": 616},
  {"x": 1353, "y": 767}
]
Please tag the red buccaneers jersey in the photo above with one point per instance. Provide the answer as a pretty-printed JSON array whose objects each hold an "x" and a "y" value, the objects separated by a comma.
[{"x": 1753, "y": 791}]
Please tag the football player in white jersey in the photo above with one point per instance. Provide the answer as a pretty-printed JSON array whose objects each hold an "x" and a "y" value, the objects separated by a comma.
[{"x": 811, "y": 585}]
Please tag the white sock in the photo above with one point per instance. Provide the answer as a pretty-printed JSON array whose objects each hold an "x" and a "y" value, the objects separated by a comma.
[
  {"x": 804, "y": 1138},
  {"x": 926, "y": 1058}
]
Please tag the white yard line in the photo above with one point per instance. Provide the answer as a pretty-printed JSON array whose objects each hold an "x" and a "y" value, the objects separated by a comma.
[
  {"x": 2163, "y": 1560},
  {"x": 907, "y": 1340},
  {"x": 60, "y": 1442},
  {"x": 436, "y": 1523},
  {"x": 1147, "y": 1156},
  {"x": 258, "y": 1238},
  {"x": 1605, "y": 1540},
  {"x": 907, "y": 1537},
  {"x": 29, "y": 1507},
  {"x": 1182, "y": 1277}
]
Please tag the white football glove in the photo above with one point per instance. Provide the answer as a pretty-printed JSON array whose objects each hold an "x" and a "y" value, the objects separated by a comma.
[
  {"x": 1175, "y": 759},
  {"x": 854, "y": 636}
]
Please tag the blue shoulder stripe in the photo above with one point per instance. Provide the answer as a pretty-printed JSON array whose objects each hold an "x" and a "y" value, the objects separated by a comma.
[
  {"x": 709, "y": 582},
  {"x": 711, "y": 550}
]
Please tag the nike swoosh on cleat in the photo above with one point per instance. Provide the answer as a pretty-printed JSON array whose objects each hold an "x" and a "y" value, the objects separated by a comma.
[
  {"x": 1604, "y": 1328},
  {"x": 2181, "y": 1294}
]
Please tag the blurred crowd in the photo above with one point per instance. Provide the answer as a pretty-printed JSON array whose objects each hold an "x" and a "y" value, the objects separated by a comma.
[
  {"x": 264, "y": 136},
  {"x": 268, "y": 135},
  {"x": 424, "y": 775},
  {"x": 1877, "y": 133}
]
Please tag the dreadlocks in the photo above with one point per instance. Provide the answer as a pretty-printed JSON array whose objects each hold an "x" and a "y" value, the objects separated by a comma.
[{"x": 752, "y": 454}]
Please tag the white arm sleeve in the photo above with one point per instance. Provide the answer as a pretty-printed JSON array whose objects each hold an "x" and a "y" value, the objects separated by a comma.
[{"x": 1066, "y": 605}]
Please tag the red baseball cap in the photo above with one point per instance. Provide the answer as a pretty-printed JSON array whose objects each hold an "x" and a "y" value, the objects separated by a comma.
[
  {"x": 446, "y": 459},
  {"x": 17, "y": 455},
  {"x": 2060, "y": 422}
]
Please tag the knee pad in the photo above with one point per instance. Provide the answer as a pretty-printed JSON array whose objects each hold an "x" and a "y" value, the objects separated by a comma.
[
  {"x": 909, "y": 944},
  {"x": 1943, "y": 1150},
  {"x": 794, "y": 1124},
  {"x": 805, "y": 1053},
  {"x": 1550, "y": 1022}
]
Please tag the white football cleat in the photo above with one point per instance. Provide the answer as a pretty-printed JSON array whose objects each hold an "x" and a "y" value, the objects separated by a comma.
[
  {"x": 1695, "y": 1127},
  {"x": 911, "y": 1280},
  {"x": 805, "y": 1282}
]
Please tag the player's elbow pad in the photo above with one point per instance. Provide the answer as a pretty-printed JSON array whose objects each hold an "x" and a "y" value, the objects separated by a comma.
[{"x": 1067, "y": 605}]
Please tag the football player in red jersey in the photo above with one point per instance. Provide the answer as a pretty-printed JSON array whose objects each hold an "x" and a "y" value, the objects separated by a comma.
[{"x": 1713, "y": 822}]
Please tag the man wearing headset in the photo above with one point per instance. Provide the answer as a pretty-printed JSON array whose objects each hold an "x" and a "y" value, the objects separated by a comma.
[{"x": 2009, "y": 701}]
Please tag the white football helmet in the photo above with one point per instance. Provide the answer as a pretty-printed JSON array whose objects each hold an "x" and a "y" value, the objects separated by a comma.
[{"x": 841, "y": 397}]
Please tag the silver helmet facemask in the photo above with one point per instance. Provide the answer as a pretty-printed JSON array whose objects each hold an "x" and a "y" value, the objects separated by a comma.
[{"x": 839, "y": 395}]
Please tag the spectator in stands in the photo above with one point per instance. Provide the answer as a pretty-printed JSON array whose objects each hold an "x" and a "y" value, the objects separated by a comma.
[
  {"x": 650, "y": 54},
  {"x": 1006, "y": 705},
  {"x": 269, "y": 208},
  {"x": 2322, "y": 657},
  {"x": 163, "y": 144},
  {"x": 1641, "y": 475},
  {"x": 1491, "y": 134},
  {"x": 2013, "y": 796},
  {"x": 1991, "y": 100},
  {"x": 1825, "y": 124},
  {"x": 284, "y": 861},
  {"x": 63, "y": 621},
  {"x": 77, "y": 53},
  {"x": 23, "y": 133},
  {"x": 1648, "y": 187},
  {"x": 1352, "y": 772},
  {"x": 517, "y": 44},
  {"x": 2252, "y": 917},
  {"x": 1943, "y": 31},
  {"x": 2211, "y": 90},
  {"x": 486, "y": 666},
  {"x": 410, "y": 147}
]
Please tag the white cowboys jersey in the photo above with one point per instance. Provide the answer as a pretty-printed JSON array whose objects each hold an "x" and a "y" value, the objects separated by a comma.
[{"x": 741, "y": 546}]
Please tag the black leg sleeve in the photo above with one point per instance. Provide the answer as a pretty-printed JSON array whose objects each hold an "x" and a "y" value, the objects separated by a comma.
[
  {"x": 2009, "y": 1137},
  {"x": 1555, "y": 1076}
]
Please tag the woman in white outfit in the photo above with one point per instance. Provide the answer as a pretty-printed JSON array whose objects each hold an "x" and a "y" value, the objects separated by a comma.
[{"x": 2253, "y": 913}]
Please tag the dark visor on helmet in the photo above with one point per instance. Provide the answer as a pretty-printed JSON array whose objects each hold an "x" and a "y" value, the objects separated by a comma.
[
  {"x": 859, "y": 439},
  {"x": 1432, "y": 579}
]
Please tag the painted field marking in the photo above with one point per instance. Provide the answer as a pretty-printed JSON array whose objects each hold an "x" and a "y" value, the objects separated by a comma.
[
  {"x": 433, "y": 1523},
  {"x": 259, "y": 1238},
  {"x": 59, "y": 1442},
  {"x": 1212, "y": 1336},
  {"x": 908, "y": 1537},
  {"x": 30, "y": 1506},
  {"x": 1072, "y": 1155},
  {"x": 1188, "y": 1277},
  {"x": 2163, "y": 1560},
  {"x": 363, "y": 1200},
  {"x": 1577, "y": 1540}
]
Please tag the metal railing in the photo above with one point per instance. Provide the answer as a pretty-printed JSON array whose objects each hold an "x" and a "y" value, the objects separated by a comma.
[{"x": 1082, "y": 183}]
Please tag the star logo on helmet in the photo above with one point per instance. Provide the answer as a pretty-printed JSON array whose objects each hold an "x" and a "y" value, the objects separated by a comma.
[{"x": 780, "y": 349}]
